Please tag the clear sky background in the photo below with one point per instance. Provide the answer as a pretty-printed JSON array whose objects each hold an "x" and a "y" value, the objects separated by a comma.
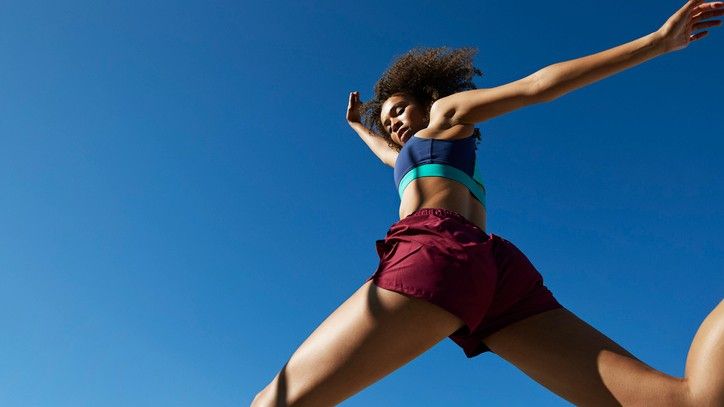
[{"x": 182, "y": 202}]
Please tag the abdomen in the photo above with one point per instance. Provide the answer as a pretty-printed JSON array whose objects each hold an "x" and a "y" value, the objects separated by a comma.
[{"x": 437, "y": 192}]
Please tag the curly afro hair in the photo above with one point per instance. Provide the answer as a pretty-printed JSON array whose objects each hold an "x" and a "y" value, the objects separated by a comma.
[{"x": 426, "y": 74}]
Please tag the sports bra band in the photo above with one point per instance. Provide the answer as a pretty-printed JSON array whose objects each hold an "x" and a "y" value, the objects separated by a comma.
[{"x": 445, "y": 171}]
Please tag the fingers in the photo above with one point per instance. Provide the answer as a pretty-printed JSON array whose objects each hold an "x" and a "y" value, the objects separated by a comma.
[
  {"x": 353, "y": 107},
  {"x": 354, "y": 98},
  {"x": 706, "y": 24},
  {"x": 685, "y": 12},
  {"x": 712, "y": 5},
  {"x": 703, "y": 12},
  {"x": 699, "y": 36},
  {"x": 689, "y": 6},
  {"x": 709, "y": 10}
]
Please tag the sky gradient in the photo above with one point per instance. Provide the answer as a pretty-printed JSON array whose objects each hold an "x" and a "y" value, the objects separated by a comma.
[{"x": 182, "y": 202}]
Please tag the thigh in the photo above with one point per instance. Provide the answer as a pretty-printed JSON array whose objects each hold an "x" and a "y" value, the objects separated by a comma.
[
  {"x": 579, "y": 363},
  {"x": 371, "y": 334}
]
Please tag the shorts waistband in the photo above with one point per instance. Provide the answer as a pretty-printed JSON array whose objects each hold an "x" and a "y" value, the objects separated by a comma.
[{"x": 445, "y": 212}]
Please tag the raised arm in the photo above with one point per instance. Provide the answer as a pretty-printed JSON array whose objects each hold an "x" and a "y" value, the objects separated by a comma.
[
  {"x": 556, "y": 80},
  {"x": 375, "y": 142}
]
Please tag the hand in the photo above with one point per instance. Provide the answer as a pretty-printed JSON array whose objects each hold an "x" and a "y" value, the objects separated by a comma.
[
  {"x": 353, "y": 107},
  {"x": 678, "y": 31}
]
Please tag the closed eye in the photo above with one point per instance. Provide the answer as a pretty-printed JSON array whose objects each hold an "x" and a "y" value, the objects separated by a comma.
[{"x": 395, "y": 111}]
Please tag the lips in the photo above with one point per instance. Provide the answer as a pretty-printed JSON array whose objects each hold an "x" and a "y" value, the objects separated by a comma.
[{"x": 403, "y": 134}]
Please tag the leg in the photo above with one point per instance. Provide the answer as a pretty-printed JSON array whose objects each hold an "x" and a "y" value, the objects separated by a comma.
[
  {"x": 370, "y": 335},
  {"x": 705, "y": 361},
  {"x": 580, "y": 364}
]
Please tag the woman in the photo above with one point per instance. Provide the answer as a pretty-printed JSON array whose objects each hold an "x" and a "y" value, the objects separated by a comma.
[{"x": 441, "y": 275}]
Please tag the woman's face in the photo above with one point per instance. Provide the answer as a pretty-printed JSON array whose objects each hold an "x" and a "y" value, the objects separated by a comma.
[{"x": 402, "y": 116}]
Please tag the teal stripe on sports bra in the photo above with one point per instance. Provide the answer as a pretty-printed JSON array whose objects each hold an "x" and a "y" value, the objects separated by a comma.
[{"x": 445, "y": 171}]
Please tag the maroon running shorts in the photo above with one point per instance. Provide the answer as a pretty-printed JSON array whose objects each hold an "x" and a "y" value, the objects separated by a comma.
[{"x": 438, "y": 255}]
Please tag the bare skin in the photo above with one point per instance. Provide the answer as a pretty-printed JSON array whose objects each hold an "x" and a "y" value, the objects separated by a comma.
[
  {"x": 370, "y": 335},
  {"x": 404, "y": 118},
  {"x": 580, "y": 364},
  {"x": 376, "y": 331}
]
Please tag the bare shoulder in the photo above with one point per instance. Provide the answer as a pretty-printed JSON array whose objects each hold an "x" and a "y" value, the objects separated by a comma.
[{"x": 478, "y": 105}]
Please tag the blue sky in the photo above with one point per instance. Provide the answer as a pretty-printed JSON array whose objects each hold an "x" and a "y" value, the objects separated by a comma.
[{"x": 182, "y": 202}]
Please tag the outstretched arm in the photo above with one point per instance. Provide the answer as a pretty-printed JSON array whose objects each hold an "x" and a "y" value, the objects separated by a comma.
[
  {"x": 556, "y": 80},
  {"x": 375, "y": 142}
]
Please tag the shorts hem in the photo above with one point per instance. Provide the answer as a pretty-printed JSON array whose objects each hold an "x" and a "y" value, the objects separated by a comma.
[
  {"x": 480, "y": 347},
  {"x": 419, "y": 294}
]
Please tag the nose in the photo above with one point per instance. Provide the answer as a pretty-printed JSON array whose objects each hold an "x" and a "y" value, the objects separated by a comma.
[{"x": 395, "y": 125}]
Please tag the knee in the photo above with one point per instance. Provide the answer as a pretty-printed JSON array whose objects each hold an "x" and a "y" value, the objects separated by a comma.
[
  {"x": 257, "y": 402},
  {"x": 270, "y": 398},
  {"x": 262, "y": 399}
]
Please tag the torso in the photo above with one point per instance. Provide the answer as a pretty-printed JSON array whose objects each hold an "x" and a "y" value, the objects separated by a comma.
[{"x": 437, "y": 192}]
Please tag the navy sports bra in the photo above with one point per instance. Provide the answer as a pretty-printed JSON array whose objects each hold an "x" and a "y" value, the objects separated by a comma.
[{"x": 453, "y": 159}]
